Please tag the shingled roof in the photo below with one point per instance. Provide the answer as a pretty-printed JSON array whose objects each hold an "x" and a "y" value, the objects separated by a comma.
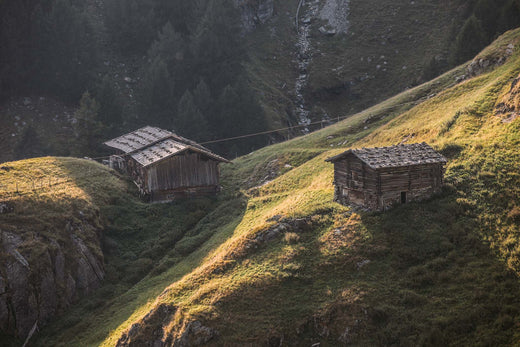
[
  {"x": 394, "y": 156},
  {"x": 150, "y": 145},
  {"x": 138, "y": 139}
]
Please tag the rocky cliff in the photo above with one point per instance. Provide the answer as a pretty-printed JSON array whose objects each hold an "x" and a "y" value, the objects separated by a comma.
[
  {"x": 42, "y": 276},
  {"x": 50, "y": 237},
  {"x": 254, "y": 12}
]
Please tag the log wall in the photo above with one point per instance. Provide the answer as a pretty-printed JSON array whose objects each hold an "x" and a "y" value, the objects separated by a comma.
[
  {"x": 182, "y": 171},
  {"x": 187, "y": 175},
  {"x": 357, "y": 184}
]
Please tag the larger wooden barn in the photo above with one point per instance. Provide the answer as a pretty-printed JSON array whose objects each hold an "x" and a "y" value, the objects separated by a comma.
[
  {"x": 377, "y": 178},
  {"x": 165, "y": 165}
]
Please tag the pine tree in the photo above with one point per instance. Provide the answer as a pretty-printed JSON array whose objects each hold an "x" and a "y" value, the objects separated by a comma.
[
  {"x": 470, "y": 40},
  {"x": 189, "y": 121},
  {"x": 29, "y": 144},
  {"x": 509, "y": 16},
  {"x": 487, "y": 11},
  {"x": 203, "y": 99},
  {"x": 87, "y": 127},
  {"x": 171, "y": 49},
  {"x": 130, "y": 23},
  {"x": 156, "y": 95},
  {"x": 216, "y": 46},
  {"x": 239, "y": 112},
  {"x": 110, "y": 107},
  {"x": 71, "y": 50},
  {"x": 178, "y": 12}
]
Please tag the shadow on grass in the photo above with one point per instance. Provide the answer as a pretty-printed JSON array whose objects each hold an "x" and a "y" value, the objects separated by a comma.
[
  {"x": 431, "y": 280},
  {"x": 146, "y": 248},
  {"x": 436, "y": 281}
]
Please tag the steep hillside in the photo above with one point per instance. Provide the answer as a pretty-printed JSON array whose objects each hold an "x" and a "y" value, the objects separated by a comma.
[
  {"x": 304, "y": 60},
  {"x": 68, "y": 226},
  {"x": 281, "y": 264},
  {"x": 50, "y": 237},
  {"x": 330, "y": 58}
]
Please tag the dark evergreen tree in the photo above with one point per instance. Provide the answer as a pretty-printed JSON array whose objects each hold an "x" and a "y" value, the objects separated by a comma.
[
  {"x": 239, "y": 113},
  {"x": 110, "y": 107},
  {"x": 180, "y": 13},
  {"x": 70, "y": 51},
  {"x": 434, "y": 68},
  {"x": 487, "y": 11},
  {"x": 203, "y": 99},
  {"x": 156, "y": 95},
  {"x": 509, "y": 16},
  {"x": 87, "y": 128},
  {"x": 189, "y": 121},
  {"x": 470, "y": 40},
  {"x": 170, "y": 48},
  {"x": 218, "y": 51},
  {"x": 29, "y": 144},
  {"x": 130, "y": 24}
]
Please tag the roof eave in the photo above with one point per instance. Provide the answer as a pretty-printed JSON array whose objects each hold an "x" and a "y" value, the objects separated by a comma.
[
  {"x": 337, "y": 157},
  {"x": 211, "y": 155}
]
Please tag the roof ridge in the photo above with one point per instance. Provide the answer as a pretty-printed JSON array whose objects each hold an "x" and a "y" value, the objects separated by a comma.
[{"x": 395, "y": 155}]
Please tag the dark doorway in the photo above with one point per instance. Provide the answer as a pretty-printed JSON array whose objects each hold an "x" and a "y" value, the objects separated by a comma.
[{"x": 403, "y": 197}]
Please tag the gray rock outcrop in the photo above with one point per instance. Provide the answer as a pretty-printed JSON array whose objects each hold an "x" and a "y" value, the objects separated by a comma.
[
  {"x": 40, "y": 278},
  {"x": 254, "y": 12},
  {"x": 154, "y": 329}
]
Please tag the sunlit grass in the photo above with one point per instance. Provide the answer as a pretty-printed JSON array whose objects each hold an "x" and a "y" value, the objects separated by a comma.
[{"x": 437, "y": 272}]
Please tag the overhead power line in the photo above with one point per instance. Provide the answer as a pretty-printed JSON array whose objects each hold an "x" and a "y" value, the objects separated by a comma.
[
  {"x": 269, "y": 131},
  {"x": 280, "y": 129},
  {"x": 293, "y": 127}
]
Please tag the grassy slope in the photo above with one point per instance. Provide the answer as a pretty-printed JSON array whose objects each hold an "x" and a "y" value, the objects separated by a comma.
[
  {"x": 47, "y": 191},
  {"x": 46, "y": 194},
  {"x": 440, "y": 272}
]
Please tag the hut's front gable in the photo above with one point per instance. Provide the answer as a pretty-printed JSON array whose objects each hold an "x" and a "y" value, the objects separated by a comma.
[{"x": 377, "y": 178}]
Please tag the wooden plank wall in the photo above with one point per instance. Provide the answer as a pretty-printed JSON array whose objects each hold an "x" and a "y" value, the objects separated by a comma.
[
  {"x": 189, "y": 170},
  {"x": 358, "y": 184}
]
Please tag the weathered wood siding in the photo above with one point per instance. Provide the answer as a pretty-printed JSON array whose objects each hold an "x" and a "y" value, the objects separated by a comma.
[
  {"x": 182, "y": 171},
  {"x": 414, "y": 182},
  {"x": 358, "y": 184}
]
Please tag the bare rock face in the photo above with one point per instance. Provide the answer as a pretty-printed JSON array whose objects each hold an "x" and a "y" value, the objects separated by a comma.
[
  {"x": 155, "y": 330},
  {"x": 195, "y": 334},
  {"x": 40, "y": 278},
  {"x": 254, "y": 12},
  {"x": 480, "y": 64},
  {"x": 508, "y": 108}
]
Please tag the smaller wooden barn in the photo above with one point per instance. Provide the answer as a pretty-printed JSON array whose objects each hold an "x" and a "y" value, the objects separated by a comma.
[
  {"x": 164, "y": 165},
  {"x": 377, "y": 178}
]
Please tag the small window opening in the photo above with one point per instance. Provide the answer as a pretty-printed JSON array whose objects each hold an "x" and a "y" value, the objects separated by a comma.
[{"x": 403, "y": 197}]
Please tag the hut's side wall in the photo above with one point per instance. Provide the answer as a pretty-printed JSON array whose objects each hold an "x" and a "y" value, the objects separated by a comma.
[
  {"x": 188, "y": 174},
  {"x": 355, "y": 183},
  {"x": 406, "y": 184}
]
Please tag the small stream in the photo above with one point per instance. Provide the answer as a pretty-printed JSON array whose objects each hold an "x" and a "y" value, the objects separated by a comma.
[{"x": 307, "y": 12}]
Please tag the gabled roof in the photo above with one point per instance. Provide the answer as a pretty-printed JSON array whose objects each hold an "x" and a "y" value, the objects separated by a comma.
[
  {"x": 167, "y": 148},
  {"x": 138, "y": 139},
  {"x": 394, "y": 156},
  {"x": 150, "y": 145}
]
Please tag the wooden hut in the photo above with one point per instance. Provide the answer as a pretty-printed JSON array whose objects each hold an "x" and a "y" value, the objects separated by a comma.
[
  {"x": 165, "y": 165},
  {"x": 377, "y": 178}
]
